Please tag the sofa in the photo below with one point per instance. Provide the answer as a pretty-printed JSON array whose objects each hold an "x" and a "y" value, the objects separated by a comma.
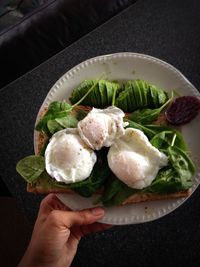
[{"x": 33, "y": 31}]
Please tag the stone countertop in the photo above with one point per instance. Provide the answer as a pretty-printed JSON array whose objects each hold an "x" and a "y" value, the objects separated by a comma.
[{"x": 169, "y": 30}]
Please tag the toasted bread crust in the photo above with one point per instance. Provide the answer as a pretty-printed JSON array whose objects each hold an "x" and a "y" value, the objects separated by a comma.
[
  {"x": 136, "y": 198},
  {"x": 39, "y": 189}
]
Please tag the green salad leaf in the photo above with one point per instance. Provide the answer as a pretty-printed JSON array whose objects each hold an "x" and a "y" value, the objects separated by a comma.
[
  {"x": 31, "y": 167},
  {"x": 165, "y": 139},
  {"x": 177, "y": 176},
  {"x": 155, "y": 128},
  {"x": 181, "y": 162},
  {"x": 115, "y": 192},
  {"x": 81, "y": 114},
  {"x": 147, "y": 116},
  {"x": 46, "y": 182},
  {"x": 149, "y": 130},
  {"x": 56, "y": 109},
  {"x": 61, "y": 123},
  {"x": 53, "y": 126},
  {"x": 167, "y": 181}
]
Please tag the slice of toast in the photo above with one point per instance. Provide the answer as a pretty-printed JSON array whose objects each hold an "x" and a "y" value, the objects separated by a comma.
[
  {"x": 39, "y": 188},
  {"x": 43, "y": 187}
]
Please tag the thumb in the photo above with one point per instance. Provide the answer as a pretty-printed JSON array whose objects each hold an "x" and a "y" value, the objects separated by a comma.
[{"x": 71, "y": 218}]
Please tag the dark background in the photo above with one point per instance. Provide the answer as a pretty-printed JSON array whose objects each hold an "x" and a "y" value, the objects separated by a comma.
[{"x": 169, "y": 30}]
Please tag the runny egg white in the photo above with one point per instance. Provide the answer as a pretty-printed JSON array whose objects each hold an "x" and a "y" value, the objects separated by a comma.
[
  {"x": 67, "y": 158},
  {"x": 134, "y": 160},
  {"x": 101, "y": 127}
]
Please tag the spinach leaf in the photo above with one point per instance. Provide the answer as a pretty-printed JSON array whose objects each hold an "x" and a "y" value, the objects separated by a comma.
[
  {"x": 46, "y": 182},
  {"x": 53, "y": 126},
  {"x": 115, "y": 192},
  {"x": 96, "y": 179},
  {"x": 31, "y": 167},
  {"x": 147, "y": 130},
  {"x": 157, "y": 96},
  {"x": 147, "y": 116},
  {"x": 56, "y": 109},
  {"x": 121, "y": 196},
  {"x": 80, "y": 114},
  {"x": 61, "y": 123},
  {"x": 158, "y": 128},
  {"x": 112, "y": 186},
  {"x": 177, "y": 176},
  {"x": 67, "y": 122},
  {"x": 183, "y": 165},
  {"x": 58, "y": 106},
  {"x": 167, "y": 181},
  {"x": 165, "y": 139}
]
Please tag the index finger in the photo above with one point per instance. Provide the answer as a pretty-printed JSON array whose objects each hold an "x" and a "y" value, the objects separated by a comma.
[
  {"x": 72, "y": 218},
  {"x": 50, "y": 203}
]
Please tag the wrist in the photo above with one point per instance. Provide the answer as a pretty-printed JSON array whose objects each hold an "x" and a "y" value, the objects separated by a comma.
[{"x": 30, "y": 259}]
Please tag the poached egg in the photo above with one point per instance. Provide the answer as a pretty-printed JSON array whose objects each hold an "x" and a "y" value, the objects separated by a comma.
[
  {"x": 134, "y": 160},
  {"x": 67, "y": 158},
  {"x": 101, "y": 127}
]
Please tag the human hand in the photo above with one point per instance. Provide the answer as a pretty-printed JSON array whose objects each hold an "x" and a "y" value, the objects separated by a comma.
[{"x": 57, "y": 232}]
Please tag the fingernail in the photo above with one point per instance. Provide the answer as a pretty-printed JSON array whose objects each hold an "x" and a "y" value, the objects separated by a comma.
[{"x": 98, "y": 211}]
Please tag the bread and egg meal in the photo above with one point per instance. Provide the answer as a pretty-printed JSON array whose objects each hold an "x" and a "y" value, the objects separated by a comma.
[{"x": 119, "y": 141}]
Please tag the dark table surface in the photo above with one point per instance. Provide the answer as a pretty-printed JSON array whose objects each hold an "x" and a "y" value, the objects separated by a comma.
[{"x": 169, "y": 30}]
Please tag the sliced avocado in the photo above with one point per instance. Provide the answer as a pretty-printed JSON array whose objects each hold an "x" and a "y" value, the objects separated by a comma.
[
  {"x": 162, "y": 97},
  {"x": 132, "y": 95},
  {"x": 121, "y": 101},
  {"x": 144, "y": 93},
  {"x": 138, "y": 95},
  {"x": 103, "y": 94},
  {"x": 117, "y": 87},
  {"x": 80, "y": 91},
  {"x": 121, "y": 87},
  {"x": 109, "y": 90},
  {"x": 95, "y": 97},
  {"x": 116, "y": 90},
  {"x": 75, "y": 95},
  {"x": 129, "y": 102},
  {"x": 153, "y": 97},
  {"x": 125, "y": 104},
  {"x": 129, "y": 88}
]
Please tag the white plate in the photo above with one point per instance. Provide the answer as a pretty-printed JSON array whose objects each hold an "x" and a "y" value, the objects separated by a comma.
[{"x": 125, "y": 66}]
